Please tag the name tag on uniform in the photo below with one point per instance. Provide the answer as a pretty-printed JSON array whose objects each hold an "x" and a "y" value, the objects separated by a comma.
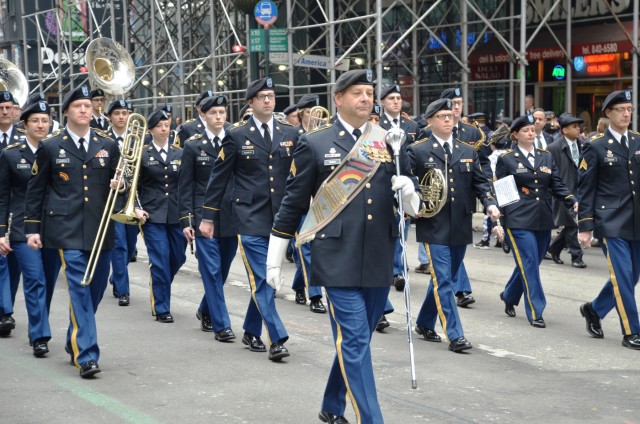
[
  {"x": 329, "y": 162},
  {"x": 430, "y": 165},
  {"x": 204, "y": 158},
  {"x": 64, "y": 160},
  {"x": 247, "y": 153},
  {"x": 332, "y": 155},
  {"x": 153, "y": 163},
  {"x": 614, "y": 159},
  {"x": 24, "y": 166},
  {"x": 521, "y": 170}
]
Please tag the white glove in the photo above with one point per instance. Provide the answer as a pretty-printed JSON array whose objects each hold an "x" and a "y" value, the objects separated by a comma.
[
  {"x": 275, "y": 257},
  {"x": 410, "y": 199}
]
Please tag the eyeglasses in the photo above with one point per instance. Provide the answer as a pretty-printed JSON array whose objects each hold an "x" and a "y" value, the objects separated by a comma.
[
  {"x": 445, "y": 116},
  {"x": 263, "y": 97},
  {"x": 623, "y": 109}
]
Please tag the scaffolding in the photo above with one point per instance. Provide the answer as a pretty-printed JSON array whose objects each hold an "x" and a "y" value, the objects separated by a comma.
[{"x": 183, "y": 47}]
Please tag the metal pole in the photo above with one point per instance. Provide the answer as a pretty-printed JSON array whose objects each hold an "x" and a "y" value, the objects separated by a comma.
[
  {"x": 379, "y": 71},
  {"x": 332, "y": 54},
  {"x": 510, "y": 107},
  {"x": 464, "y": 48},
  {"x": 414, "y": 67},
  {"x": 634, "y": 79},
  {"x": 290, "y": 52},
  {"x": 179, "y": 59},
  {"x": 266, "y": 51},
  {"x": 523, "y": 53},
  {"x": 154, "y": 59},
  {"x": 569, "y": 89}
]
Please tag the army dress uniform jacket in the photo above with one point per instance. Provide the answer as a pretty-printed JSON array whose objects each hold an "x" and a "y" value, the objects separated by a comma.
[
  {"x": 198, "y": 157},
  {"x": 15, "y": 171},
  {"x": 95, "y": 123},
  {"x": 356, "y": 248},
  {"x": 409, "y": 127},
  {"x": 14, "y": 137},
  {"x": 75, "y": 189},
  {"x": 158, "y": 184},
  {"x": 466, "y": 181},
  {"x": 568, "y": 171},
  {"x": 260, "y": 175},
  {"x": 189, "y": 129},
  {"x": 536, "y": 185},
  {"x": 608, "y": 187}
]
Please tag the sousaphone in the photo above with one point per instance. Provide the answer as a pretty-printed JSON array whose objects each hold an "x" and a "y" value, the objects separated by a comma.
[
  {"x": 110, "y": 67},
  {"x": 13, "y": 80}
]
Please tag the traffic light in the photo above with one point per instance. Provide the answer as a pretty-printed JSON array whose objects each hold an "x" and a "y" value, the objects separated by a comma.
[{"x": 237, "y": 48}]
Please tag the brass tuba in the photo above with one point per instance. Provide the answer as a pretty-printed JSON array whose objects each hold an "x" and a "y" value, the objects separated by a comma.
[
  {"x": 110, "y": 67},
  {"x": 434, "y": 188},
  {"x": 318, "y": 117},
  {"x": 14, "y": 81}
]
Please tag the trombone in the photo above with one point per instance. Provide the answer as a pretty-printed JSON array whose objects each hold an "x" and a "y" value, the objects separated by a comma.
[{"x": 128, "y": 166}]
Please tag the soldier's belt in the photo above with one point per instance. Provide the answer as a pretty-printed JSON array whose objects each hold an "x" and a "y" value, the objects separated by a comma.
[{"x": 345, "y": 182}]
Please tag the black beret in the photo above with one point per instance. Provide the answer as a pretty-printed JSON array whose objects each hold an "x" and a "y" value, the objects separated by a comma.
[
  {"x": 290, "y": 109},
  {"x": 258, "y": 85},
  {"x": 202, "y": 96},
  {"x": 168, "y": 108},
  {"x": 117, "y": 104},
  {"x": 308, "y": 100},
  {"x": 451, "y": 93},
  {"x": 388, "y": 90},
  {"x": 567, "y": 119},
  {"x": 437, "y": 106},
  {"x": 130, "y": 106},
  {"x": 356, "y": 76},
  {"x": 477, "y": 116},
  {"x": 79, "y": 93},
  {"x": 615, "y": 98},
  {"x": 97, "y": 93},
  {"x": 377, "y": 109},
  {"x": 244, "y": 109},
  {"x": 6, "y": 96},
  {"x": 156, "y": 117},
  {"x": 36, "y": 97},
  {"x": 217, "y": 100},
  {"x": 522, "y": 121},
  {"x": 37, "y": 107}
]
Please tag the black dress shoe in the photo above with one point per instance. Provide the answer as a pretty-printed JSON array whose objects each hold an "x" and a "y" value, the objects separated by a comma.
[
  {"x": 301, "y": 297},
  {"x": 632, "y": 341},
  {"x": 556, "y": 258},
  {"x": 277, "y": 352},
  {"x": 225, "y": 335},
  {"x": 423, "y": 269},
  {"x": 465, "y": 299},
  {"x": 164, "y": 317},
  {"x": 124, "y": 300},
  {"x": 7, "y": 323},
  {"x": 328, "y": 417},
  {"x": 254, "y": 342},
  {"x": 317, "y": 306},
  {"x": 89, "y": 369},
  {"x": 382, "y": 324},
  {"x": 40, "y": 348},
  {"x": 578, "y": 264},
  {"x": 68, "y": 350},
  {"x": 538, "y": 323},
  {"x": 114, "y": 291},
  {"x": 428, "y": 334},
  {"x": 459, "y": 344},
  {"x": 134, "y": 257},
  {"x": 593, "y": 321},
  {"x": 205, "y": 322},
  {"x": 547, "y": 256},
  {"x": 508, "y": 307},
  {"x": 399, "y": 282}
]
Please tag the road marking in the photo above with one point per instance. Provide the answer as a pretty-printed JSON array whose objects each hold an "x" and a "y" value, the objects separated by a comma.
[{"x": 501, "y": 353}]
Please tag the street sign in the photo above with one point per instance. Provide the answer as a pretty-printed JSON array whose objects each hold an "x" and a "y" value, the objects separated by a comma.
[
  {"x": 266, "y": 13},
  {"x": 309, "y": 61},
  {"x": 278, "y": 41}
]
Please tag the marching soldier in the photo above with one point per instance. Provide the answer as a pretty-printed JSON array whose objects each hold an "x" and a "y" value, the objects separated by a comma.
[
  {"x": 245, "y": 112},
  {"x": 159, "y": 215},
  {"x": 15, "y": 170},
  {"x": 8, "y": 132},
  {"x": 291, "y": 115},
  {"x": 446, "y": 235},
  {"x": 126, "y": 236},
  {"x": 98, "y": 120},
  {"x": 257, "y": 153},
  {"x": 357, "y": 285},
  {"x": 304, "y": 105},
  {"x": 374, "y": 117},
  {"x": 391, "y": 117},
  {"x": 610, "y": 211},
  {"x": 73, "y": 172},
  {"x": 173, "y": 133},
  {"x": 195, "y": 125},
  {"x": 215, "y": 254},
  {"x": 528, "y": 222}
]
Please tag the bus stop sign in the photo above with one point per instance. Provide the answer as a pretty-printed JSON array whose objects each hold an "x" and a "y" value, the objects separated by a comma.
[{"x": 266, "y": 13}]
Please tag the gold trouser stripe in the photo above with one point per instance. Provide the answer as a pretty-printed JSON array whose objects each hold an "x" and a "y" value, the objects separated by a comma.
[
  {"x": 151, "y": 298},
  {"x": 436, "y": 295},
  {"x": 341, "y": 361},
  {"x": 616, "y": 292},
  {"x": 74, "y": 333},
  {"x": 524, "y": 275},
  {"x": 252, "y": 283}
]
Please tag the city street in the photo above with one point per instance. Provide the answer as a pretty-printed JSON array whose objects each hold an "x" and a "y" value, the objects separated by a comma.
[{"x": 175, "y": 373}]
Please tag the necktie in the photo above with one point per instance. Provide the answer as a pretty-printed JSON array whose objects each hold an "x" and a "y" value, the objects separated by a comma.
[
  {"x": 538, "y": 142},
  {"x": 623, "y": 141},
  {"x": 119, "y": 140},
  {"x": 83, "y": 150},
  {"x": 455, "y": 132},
  {"x": 357, "y": 133},
  {"x": 266, "y": 136},
  {"x": 574, "y": 153},
  {"x": 216, "y": 142},
  {"x": 5, "y": 139},
  {"x": 447, "y": 149},
  {"x": 163, "y": 155},
  {"x": 532, "y": 160},
  {"x": 395, "y": 121}
]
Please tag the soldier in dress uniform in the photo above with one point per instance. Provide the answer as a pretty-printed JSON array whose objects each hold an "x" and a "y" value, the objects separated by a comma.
[
  {"x": 173, "y": 133},
  {"x": 374, "y": 117},
  {"x": 304, "y": 106},
  {"x": 257, "y": 153},
  {"x": 357, "y": 285},
  {"x": 159, "y": 214},
  {"x": 126, "y": 236},
  {"x": 245, "y": 112},
  {"x": 98, "y": 120},
  {"x": 195, "y": 125},
  {"x": 528, "y": 222},
  {"x": 391, "y": 117},
  {"x": 9, "y": 134},
  {"x": 15, "y": 171},
  {"x": 445, "y": 236},
  {"x": 215, "y": 255},
  {"x": 291, "y": 115},
  {"x": 610, "y": 211},
  {"x": 73, "y": 172}
]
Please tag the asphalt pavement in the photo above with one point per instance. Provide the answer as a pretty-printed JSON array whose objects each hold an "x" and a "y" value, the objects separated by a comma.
[{"x": 175, "y": 373}]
